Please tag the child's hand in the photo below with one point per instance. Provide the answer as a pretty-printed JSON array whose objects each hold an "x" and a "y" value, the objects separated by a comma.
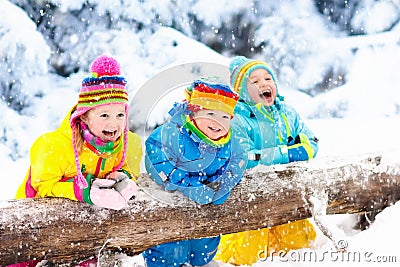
[
  {"x": 299, "y": 148},
  {"x": 103, "y": 183},
  {"x": 125, "y": 186},
  {"x": 103, "y": 194},
  {"x": 115, "y": 175}
]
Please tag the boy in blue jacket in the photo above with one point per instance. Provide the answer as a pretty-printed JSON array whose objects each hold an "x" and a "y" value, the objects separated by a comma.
[{"x": 195, "y": 154}]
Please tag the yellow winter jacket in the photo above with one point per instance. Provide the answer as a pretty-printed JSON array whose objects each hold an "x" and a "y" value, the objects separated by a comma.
[
  {"x": 52, "y": 162},
  {"x": 246, "y": 248}
]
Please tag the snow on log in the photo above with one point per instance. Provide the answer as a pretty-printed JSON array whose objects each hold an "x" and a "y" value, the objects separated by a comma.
[{"x": 64, "y": 231}]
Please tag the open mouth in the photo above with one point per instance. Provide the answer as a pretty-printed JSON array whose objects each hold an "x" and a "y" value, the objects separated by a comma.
[
  {"x": 109, "y": 134},
  {"x": 214, "y": 129},
  {"x": 266, "y": 93}
]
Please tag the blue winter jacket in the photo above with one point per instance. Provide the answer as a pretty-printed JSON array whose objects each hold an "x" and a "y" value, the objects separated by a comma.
[
  {"x": 264, "y": 132},
  {"x": 177, "y": 159}
]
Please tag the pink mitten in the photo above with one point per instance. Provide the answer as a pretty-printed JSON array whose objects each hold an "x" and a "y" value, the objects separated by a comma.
[
  {"x": 103, "y": 195},
  {"x": 126, "y": 187},
  {"x": 103, "y": 183}
]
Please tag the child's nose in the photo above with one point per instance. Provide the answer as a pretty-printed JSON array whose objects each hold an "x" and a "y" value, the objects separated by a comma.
[
  {"x": 113, "y": 121},
  {"x": 263, "y": 82}
]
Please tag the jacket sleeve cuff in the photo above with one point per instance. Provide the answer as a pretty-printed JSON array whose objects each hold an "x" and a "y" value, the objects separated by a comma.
[{"x": 83, "y": 195}]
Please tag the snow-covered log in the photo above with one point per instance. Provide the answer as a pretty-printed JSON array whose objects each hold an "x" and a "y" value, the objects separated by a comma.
[{"x": 65, "y": 231}]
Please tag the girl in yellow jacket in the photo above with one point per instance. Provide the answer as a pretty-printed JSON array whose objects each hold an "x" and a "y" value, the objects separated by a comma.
[{"x": 92, "y": 157}]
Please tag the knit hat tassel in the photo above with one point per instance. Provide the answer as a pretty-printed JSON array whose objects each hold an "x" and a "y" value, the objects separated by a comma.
[{"x": 81, "y": 181}]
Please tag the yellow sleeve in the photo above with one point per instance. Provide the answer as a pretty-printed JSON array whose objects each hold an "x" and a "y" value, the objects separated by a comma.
[
  {"x": 133, "y": 155},
  {"x": 49, "y": 162}
]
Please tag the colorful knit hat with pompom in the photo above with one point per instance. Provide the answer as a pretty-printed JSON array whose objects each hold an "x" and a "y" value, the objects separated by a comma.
[
  {"x": 208, "y": 94},
  {"x": 103, "y": 86},
  {"x": 240, "y": 68}
]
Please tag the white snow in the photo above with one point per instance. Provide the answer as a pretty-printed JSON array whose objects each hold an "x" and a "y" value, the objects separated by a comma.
[{"x": 360, "y": 117}]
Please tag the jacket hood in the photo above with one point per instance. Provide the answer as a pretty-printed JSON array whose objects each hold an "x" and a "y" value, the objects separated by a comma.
[
  {"x": 65, "y": 126},
  {"x": 240, "y": 68},
  {"x": 177, "y": 111}
]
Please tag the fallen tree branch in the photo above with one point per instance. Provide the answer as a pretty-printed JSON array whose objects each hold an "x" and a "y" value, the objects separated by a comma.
[{"x": 65, "y": 231}]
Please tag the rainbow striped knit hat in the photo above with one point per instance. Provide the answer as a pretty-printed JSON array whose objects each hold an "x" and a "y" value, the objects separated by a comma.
[
  {"x": 103, "y": 86},
  {"x": 240, "y": 68},
  {"x": 203, "y": 94}
]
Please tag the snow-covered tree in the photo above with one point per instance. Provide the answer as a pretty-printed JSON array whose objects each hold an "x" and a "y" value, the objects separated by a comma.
[
  {"x": 23, "y": 54},
  {"x": 361, "y": 17}
]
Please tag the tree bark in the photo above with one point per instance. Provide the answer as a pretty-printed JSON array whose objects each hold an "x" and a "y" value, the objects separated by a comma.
[{"x": 64, "y": 231}]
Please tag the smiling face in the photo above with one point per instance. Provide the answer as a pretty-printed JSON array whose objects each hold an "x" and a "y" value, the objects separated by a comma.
[
  {"x": 261, "y": 87},
  {"x": 213, "y": 123},
  {"x": 106, "y": 122}
]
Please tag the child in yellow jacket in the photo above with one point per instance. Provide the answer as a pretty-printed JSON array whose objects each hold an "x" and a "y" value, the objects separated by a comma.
[
  {"x": 92, "y": 157},
  {"x": 89, "y": 149},
  {"x": 271, "y": 132}
]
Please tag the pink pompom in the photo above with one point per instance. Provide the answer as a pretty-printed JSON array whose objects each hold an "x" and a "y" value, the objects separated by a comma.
[{"x": 105, "y": 66}]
